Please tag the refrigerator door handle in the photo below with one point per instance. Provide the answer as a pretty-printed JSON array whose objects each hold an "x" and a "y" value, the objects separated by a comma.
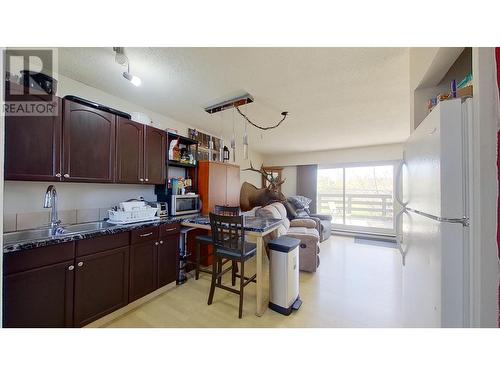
[
  {"x": 464, "y": 220},
  {"x": 399, "y": 169},
  {"x": 399, "y": 235}
]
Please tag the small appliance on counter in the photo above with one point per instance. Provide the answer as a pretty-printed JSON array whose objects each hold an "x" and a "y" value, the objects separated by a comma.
[
  {"x": 132, "y": 211},
  {"x": 162, "y": 208},
  {"x": 185, "y": 204}
]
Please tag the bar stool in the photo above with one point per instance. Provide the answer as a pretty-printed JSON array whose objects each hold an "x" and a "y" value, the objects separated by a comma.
[
  {"x": 207, "y": 240},
  {"x": 228, "y": 239}
]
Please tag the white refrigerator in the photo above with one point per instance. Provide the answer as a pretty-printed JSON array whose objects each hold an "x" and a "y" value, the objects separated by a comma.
[{"x": 433, "y": 226}]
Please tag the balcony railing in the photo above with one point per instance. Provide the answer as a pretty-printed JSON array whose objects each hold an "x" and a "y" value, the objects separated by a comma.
[{"x": 363, "y": 206}]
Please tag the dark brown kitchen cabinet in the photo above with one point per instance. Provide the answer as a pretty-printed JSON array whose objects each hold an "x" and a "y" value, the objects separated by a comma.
[
  {"x": 40, "y": 297},
  {"x": 88, "y": 143},
  {"x": 33, "y": 145},
  {"x": 168, "y": 254},
  {"x": 129, "y": 152},
  {"x": 101, "y": 284},
  {"x": 155, "y": 156},
  {"x": 143, "y": 262}
]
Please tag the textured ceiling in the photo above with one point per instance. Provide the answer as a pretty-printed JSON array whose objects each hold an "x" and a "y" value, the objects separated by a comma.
[{"x": 337, "y": 97}]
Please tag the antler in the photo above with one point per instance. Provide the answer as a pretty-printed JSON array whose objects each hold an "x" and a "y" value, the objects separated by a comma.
[{"x": 273, "y": 184}]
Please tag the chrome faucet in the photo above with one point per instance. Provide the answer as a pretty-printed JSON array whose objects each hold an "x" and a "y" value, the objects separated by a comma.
[{"x": 51, "y": 202}]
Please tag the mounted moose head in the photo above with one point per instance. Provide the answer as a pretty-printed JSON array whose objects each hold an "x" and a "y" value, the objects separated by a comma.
[{"x": 251, "y": 196}]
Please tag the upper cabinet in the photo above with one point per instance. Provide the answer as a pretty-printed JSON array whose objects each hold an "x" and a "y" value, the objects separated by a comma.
[
  {"x": 129, "y": 152},
  {"x": 140, "y": 153},
  {"x": 82, "y": 144},
  {"x": 33, "y": 146},
  {"x": 88, "y": 143},
  {"x": 154, "y": 156}
]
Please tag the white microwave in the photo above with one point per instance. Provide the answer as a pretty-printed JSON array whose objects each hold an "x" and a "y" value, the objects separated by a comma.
[{"x": 184, "y": 204}]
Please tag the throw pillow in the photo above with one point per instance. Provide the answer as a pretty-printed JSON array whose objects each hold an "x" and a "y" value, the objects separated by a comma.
[
  {"x": 290, "y": 210},
  {"x": 300, "y": 202}
]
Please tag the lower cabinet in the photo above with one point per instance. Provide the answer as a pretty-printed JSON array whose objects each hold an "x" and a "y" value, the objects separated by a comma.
[
  {"x": 74, "y": 283},
  {"x": 168, "y": 255},
  {"x": 143, "y": 271},
  {"x": 39, "y": 298},
  {"x": 101, "y": 284}
]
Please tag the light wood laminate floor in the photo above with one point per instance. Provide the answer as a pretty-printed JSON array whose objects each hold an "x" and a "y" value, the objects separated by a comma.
[{"x": 356, "y": 285}]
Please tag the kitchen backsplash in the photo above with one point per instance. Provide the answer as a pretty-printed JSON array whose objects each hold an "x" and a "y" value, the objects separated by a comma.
[{"x": 29, "y": 220}]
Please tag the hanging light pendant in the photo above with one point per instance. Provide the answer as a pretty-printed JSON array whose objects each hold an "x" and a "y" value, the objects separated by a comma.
[
  {"x": 233, "y": 142},
  {"x": 245, "y": 143}
]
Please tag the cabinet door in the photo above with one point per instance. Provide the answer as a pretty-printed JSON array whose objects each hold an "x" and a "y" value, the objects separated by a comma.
[
  {"x": 41, "y": 297},
  {"x": 33, "y": 146},
  {"x": 143, "y": 269},
  {"x": 88, "y": 143},
  {"x": 101, "y": 284},
  {"x": 233, "y": 185},
  {"x": 216, "y": 186},
  {"x": 154, "y": 156},
  {"x": 129, "y": 152},
  {"x": 168, "y": 252}
]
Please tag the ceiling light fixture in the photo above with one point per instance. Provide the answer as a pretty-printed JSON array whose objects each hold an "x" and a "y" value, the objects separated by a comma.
[
  {"x": 122, "y": 59},
  {"x": 234, "y": 104}
]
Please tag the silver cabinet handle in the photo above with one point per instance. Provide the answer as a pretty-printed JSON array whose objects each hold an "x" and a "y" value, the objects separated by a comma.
[
  {"x": 80, "y": 264},
  {"x": 71, "y": 268},
  {"x": 141, "y": 179},
  {"x": 147, "y": 179},
  {"x": 146, "y": 234},
  {"x": 66, "y": 175},
  {"x": 170, "y": 229},
  {"x": 156, "y": 243},
  {"x": 161, "y": 242},
  {"x": 58, "y": 175}
]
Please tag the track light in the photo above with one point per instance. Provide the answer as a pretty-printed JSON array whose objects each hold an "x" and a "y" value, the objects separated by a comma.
[
  {"x": 122, "y": 59},
  {"x": 133, "y": 79}
]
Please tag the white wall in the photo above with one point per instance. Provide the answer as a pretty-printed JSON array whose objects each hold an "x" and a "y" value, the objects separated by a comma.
[
  {"x": 485, "y": 267},
  {"x": 329, "y": 157},
  {"x": 289, "y": 187},
  {"x": 23, "y": 196}
]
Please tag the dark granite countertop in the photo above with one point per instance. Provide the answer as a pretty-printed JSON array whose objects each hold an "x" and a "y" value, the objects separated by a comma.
[
  {"x": 60, "y": 238},
  {"x": 253, "y": 224},
  {"x": 250, "y": 223}
]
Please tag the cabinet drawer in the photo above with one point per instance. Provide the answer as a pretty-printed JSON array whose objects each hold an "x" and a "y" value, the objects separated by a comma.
[
  {"x": 168, "y": 229},
  {"x": 24, "y": 260},
  {"x": 144, "y": 235},
  {"x": 97, "y": 244}
]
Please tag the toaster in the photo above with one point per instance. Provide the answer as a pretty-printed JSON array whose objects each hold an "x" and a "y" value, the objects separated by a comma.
[{"x": 162, "y": 208}]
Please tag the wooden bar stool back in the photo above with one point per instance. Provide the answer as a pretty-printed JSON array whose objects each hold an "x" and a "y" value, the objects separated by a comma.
[
  {"x": 228, "y": 240},
  {"x": 207, "y": 240}
]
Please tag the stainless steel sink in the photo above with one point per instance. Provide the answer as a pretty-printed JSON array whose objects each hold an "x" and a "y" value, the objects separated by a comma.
[
  {"x": 87, "y": 227},
  {"x": 26, "y": 235},
  {"x": 45, "y": 233}
]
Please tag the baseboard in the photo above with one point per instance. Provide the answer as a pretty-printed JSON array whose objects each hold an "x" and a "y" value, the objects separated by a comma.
[{"x": 131, "y": 306}]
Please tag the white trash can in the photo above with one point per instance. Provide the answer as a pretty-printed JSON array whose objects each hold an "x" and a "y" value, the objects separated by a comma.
[{"x": 284, "y": 275}]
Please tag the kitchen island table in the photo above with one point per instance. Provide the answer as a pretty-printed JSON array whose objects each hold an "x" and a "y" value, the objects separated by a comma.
[{"x": 255, "y": 230}]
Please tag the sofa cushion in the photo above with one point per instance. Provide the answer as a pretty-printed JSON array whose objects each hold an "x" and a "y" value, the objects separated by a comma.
[
  {"x": 304, "y": 231},
  {"x": 281, "y": 208},
  {"x": 268, "y": 212},
  {"x": 305, "y": 222},
  {"x": 300, "y": 202},
  {"x": 291, "y": 213}
]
